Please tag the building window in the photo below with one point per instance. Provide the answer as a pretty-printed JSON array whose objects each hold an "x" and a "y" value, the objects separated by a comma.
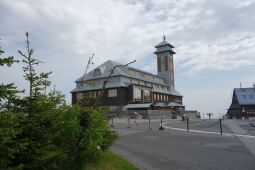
[
  {"x": 164, "y": 97},
  {"x": 159, "y": 64},
  {"x": 112, "y": 93},
  {"x": 127, "y": 80},
  {"x": 161, "y": 97},
  {"x": 97, "y": 72},
  {"x": 155, "y": 96},
  {"x": 147, "y": 95},
  {"x": 167, "y": 98},
  {"x": 166, "y": 63},
  {"x": 98, "y": 92},
  {"x": 94, "y": 94},
  {"x": 138, "y": 93},
  {"x": 131, "y": 72},
  {"x": 110, "y": 79}
]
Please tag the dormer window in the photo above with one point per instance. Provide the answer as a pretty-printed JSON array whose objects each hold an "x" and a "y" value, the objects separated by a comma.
[{"x": 97, "y": 72}]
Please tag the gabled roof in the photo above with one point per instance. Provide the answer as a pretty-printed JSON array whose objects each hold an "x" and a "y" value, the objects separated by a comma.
[
  {"x": 245, "y": 96},
  {"x": 105, "y": 69},
  {"x": 107, "y": 66}
]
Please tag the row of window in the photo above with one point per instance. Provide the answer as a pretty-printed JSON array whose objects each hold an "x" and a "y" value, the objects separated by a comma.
[
  {"x": 160, "y": 97},
  {"x": 147, "y": 95},
  {"x": 92, "y": 93},
  {"x": 144, "y": 76},
  {"x": 143, "y": 83},
  {"x": 92, "y": 83},
  {"x": 137, "y": 94},
  {"x": 110, "y": 93}
]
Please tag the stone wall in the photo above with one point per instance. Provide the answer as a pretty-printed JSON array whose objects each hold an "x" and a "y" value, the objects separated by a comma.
[{"x": 157, "y": 114}]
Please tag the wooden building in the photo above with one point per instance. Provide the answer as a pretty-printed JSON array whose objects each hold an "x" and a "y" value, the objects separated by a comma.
[
  {"x": 243, "y": 103},
  {"x": 131, "y": 88}
]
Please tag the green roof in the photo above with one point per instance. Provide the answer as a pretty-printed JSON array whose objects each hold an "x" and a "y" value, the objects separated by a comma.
[{"x": 137, "y": 106}]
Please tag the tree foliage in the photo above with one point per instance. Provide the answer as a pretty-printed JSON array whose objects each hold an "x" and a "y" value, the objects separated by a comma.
[
  {"x": 8, "y": 97},
  {"x": 37, "y": 82},
  {"x": 8, "y": 61},
  {"x": 42, "y": 131}
]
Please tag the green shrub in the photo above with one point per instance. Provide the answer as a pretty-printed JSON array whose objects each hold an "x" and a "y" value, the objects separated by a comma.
[{"x": 10, "y": 145}]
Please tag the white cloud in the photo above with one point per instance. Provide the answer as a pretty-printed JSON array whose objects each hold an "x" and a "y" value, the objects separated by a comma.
[{"x": 208, "y": 35}]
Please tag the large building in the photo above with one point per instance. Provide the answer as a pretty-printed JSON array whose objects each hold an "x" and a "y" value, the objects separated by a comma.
[
  {"x": 132, "y": 88},
  {"x": 243, "y": 103}
]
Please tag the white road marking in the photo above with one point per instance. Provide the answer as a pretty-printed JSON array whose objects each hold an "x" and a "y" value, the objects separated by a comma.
[{"x": 200, "y": 131}]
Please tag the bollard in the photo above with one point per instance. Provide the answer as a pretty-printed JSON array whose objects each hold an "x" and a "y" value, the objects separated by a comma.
[
  {"x": 112, "y": 123},
  {"x": 161, "y": 125},
  {"x": 128, "y": 123},
  {"x": 220, "y": 127},
  {"x": 149, "y": 123},
  {"x": 187, "y": 124}
]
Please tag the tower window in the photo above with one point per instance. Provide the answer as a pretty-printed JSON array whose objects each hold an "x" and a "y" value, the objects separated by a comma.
[
  {"x": 159, "y": 64},
  {"x": 166, "y": 63}
]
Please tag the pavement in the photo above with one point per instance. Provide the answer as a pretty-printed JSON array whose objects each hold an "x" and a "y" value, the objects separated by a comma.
[
  {"x": 150, "y": 149},
  {"x": 243, "y": 128}
]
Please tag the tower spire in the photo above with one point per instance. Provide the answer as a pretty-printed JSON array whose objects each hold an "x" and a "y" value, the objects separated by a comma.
[{"x": 164, "y": 37}]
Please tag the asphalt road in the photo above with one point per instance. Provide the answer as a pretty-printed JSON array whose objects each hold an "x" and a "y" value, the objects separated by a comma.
[{"x": 170, "y": 149}]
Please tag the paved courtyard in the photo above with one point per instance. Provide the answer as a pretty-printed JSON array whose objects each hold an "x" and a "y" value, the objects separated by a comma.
[{"x": 178, "y": 149}]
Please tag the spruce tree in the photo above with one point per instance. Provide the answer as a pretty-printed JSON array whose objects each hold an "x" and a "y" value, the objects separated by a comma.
[
  {"x": 8, "y": 92},
  {"x": 37, "y": 82}
]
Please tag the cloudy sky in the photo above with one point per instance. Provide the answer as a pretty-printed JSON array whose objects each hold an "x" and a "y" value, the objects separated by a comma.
[{"x": 214, "y": 41}]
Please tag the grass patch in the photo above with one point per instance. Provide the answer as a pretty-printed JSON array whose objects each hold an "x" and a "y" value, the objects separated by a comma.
[{"x": 109, "y": 161}]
